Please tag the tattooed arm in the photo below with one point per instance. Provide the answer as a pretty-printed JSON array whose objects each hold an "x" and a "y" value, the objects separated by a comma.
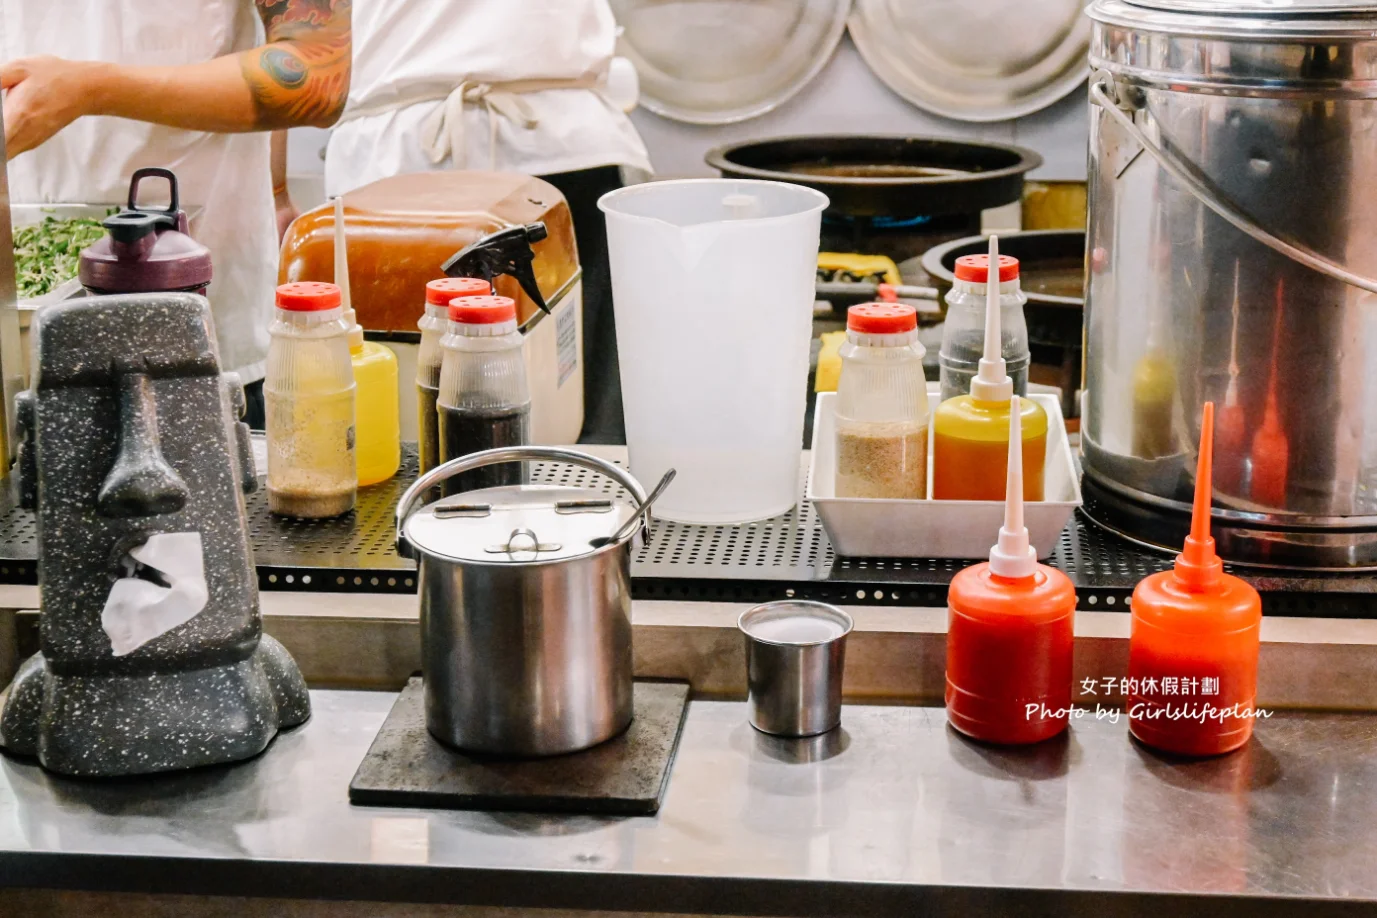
[{"x": 299, "y": 77}]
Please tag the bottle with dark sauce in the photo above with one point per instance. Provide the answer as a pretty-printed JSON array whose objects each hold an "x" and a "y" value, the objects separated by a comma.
[
  {"x": 433, "y": 325},
  {"x": 465, "y": 431},
  {"x": 484, "y": 401}
]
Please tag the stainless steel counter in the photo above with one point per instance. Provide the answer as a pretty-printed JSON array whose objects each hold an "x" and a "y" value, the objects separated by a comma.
[{"x": 893, "y": 814}]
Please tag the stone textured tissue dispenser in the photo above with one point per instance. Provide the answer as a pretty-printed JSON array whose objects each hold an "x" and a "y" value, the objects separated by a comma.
[{"x": 152, "y": 653}]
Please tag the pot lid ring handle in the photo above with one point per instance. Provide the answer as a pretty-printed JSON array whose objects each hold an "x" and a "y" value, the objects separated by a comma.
[
  {"x": 468, "y": 463},
  {"x": 533, "y": 544}
]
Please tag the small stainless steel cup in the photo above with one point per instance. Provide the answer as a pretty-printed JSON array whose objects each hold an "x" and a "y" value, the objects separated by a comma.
[{"x": 795, "y": 651}]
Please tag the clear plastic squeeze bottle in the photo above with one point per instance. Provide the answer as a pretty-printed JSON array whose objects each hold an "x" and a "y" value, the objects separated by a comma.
[
  {"x": 309, "y": 395},
  {"x": 484, "y": 400},
  {"x": 429, "y": 358},
  {"x": 882, "y": 406},
  {"x": 963, "y": 330}
]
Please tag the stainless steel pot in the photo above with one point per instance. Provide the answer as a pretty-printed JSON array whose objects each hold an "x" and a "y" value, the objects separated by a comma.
[
  {"x": 525, "y": 607},
  {"x": 1232, "y": 250}
]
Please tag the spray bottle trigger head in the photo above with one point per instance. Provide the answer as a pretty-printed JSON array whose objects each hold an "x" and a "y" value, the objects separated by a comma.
[{"x": 506, "y": 251}]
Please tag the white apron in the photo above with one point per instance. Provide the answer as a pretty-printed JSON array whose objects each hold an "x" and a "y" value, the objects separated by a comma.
[
  {"x": 225, "y": 175},
  {"x": 501, "y": 85}
]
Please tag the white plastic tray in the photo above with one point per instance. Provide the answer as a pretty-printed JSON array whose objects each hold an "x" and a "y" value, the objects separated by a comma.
[{"x": 866, "y": 528}]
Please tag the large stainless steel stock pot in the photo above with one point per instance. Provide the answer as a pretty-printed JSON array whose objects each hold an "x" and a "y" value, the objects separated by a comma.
[{"x": 1232, "y": 250}]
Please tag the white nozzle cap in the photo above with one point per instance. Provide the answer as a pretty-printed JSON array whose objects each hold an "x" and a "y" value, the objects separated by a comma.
[
  {"x": 992, "y": 382},
  {"x": 1013, "y": 557},
  {"x": 342, "y": 279}
]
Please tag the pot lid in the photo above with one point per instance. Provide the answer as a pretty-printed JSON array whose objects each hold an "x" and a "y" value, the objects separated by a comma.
[
  {"x": 988, "y": 61},
  {"x": 723, "y": 61},
  {"x": 1268, "y": 22},
  {"x": 1259, "y": 7},
  {"x": 517, "y": 524}
]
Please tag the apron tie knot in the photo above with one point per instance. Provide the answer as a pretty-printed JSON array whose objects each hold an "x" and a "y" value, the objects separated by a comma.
[{"x": 442, "y": 133}]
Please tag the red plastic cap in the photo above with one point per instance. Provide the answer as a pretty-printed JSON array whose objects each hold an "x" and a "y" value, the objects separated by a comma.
[
  {"x": 440, "y": 292},
  {"x": 482, "y": 310},
  {"x": 308, "y": 296},
  {"x": 881, "y": 318},
  {"x": 975, "y": 269}
]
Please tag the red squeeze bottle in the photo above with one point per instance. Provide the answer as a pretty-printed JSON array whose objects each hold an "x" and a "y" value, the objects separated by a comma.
[
  {"x": 1010, "y": 631},
  {"x": 1192, "y": 653}
]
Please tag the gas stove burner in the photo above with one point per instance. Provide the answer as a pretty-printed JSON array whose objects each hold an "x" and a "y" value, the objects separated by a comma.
[{"x": 876, "y": 223}]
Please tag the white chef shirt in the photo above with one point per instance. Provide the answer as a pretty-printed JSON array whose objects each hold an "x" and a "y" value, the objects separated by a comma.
[
  {"x": 226, "y": 176},
  {"x": 410, "y": 54}
]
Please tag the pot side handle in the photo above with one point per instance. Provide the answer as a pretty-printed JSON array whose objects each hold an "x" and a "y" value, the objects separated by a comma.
[
  {"x": 1104, "y": 93},
  {"x": 463, "y": 464}
]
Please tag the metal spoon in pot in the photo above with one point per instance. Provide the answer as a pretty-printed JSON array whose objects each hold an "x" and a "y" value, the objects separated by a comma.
[{"x": 626, "y": 528}]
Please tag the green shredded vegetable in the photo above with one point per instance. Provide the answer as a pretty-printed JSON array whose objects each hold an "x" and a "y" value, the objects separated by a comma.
[{"x": 46, "y": 254}]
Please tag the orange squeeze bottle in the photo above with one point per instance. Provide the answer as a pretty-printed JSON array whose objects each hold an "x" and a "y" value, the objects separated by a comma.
[
  {"x": 1010, "y": 625},
  {"x": 970, "y": 433},
  {"x": 1193, "y": 650}
]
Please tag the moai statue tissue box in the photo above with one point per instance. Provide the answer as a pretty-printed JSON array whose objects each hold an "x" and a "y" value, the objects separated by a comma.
[{"x": 133, "y": 455}]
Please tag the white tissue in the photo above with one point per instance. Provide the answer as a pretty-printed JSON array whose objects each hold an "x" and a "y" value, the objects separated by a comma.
[{"x": 138, "y": 611}]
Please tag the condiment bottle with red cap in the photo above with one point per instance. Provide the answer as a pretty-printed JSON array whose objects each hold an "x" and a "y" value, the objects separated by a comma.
[
  {"x": 484, "y": 400},
  {"x": 882, "y": 406},
  {"x": 963, "y": 331},
  {"x": 309, "y": 394},
  {"x": 1193, "y": 650},
  {"x": 1010, "y": 632},
  {"x": 970, "y": 446},
  {"x": 429, "y": 358}
]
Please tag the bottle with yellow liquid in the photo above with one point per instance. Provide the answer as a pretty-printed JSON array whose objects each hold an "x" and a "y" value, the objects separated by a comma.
[
  {"x": 378, "y": 425},
  {"x": 309, "y": 395},
  {"x": 378, "y": 437},
  {"x": 970, "y": 446}
]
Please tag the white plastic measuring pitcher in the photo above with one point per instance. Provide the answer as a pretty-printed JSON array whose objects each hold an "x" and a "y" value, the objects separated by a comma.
[{"x": 712, "y": 286}]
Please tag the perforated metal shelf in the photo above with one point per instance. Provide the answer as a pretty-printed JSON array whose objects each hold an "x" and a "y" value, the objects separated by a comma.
[{"x": 785, "y": 557}]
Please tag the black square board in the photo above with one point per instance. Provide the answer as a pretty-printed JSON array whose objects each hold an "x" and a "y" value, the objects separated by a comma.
[{"x": 625, "y": 776}]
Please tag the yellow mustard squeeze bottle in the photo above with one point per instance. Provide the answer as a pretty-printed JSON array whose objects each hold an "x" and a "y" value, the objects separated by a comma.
[
  {"x": 970, "y": 446},
  {"x": 377, "y": 431}
]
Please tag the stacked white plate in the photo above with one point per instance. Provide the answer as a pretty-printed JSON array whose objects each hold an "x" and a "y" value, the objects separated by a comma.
[
  {"x": 989, "y": 60},
  {"x": 722, "y": 61}
]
